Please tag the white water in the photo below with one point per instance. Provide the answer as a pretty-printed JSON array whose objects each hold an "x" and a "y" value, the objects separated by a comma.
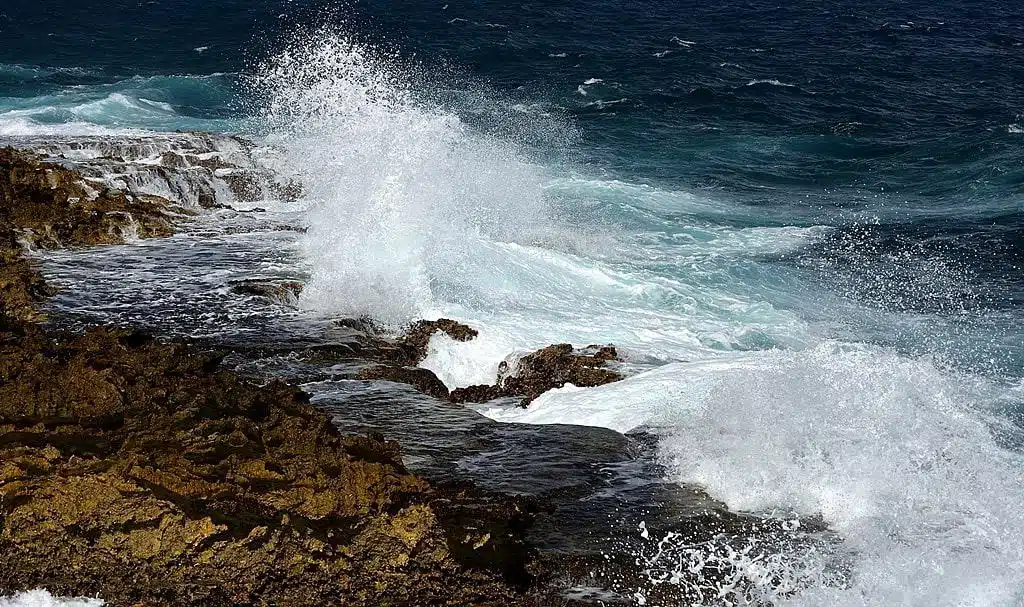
[
  {"x": 416, "y": 214},
  {"x": 42, "y": 598}
]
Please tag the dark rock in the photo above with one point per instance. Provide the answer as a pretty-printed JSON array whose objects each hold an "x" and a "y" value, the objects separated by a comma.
[
  {"x": 246, "y": 186},
  {"x": 475, "y": 394},
  {"x": 546, "y": 369},
  {"x": 423, "y": 380},
  {"x": 555, "y": 366},
  {"x": 138, "y": 471},
  {"x": 171, "y": 160},
  {"x": 417, "y": 335},
  {"x": 288, "y": 192}
]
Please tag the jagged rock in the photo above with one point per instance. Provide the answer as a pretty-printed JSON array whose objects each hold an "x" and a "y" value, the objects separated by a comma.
[
  {"x": 22, "y": 288},
  {"x": 246, "y": 186},
  {"x": 476, "y": 394},
  {"x": 546, "y": 369},
  {"x": 52, "y": 207},
  {"x": 288, "y": 192},
  {"x": 555, "y": 366},
  {"x": 417, "y": 335},
  {"x": 47, "y": 206},
  {"x": 138, "y": 471},
  {"x": 422, "y": 379}
]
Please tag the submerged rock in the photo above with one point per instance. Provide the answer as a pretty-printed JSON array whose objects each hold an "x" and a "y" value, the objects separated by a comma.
[
  {"x": 139, "y": 471},
  {"x": 286, "y": 292},
  {"x": 422, "y": 379}
]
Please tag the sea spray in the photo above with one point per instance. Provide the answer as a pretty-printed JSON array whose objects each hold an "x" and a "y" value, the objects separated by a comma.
[
  {"x": 898, "y": 456},
  {"x": 403, "y": 191}
]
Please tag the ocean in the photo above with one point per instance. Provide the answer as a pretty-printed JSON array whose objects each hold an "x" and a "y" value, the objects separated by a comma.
[{"x": 802, "y": 226}]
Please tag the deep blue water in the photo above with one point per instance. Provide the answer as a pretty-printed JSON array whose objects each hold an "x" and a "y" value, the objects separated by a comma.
[{"x": 817, "y": 112}]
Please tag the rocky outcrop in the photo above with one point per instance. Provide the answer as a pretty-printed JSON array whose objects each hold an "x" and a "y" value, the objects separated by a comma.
[
  {"x": 43, "y": 205},
  {"x": 49, "y": 206},
  {"x": 138, "y": 471},
  {"x": 543, "y": 370},
  {"x": 527, "y": 377},
  {"x": 195, "y": 169},
  {"x": 417, "y": 336}
]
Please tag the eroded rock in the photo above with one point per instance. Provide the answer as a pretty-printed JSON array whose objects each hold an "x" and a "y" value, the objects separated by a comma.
[
  {"x": 128, "y": 459},
  {"x": 51, "y": 206},
  {"x": 417, "y": 335},
  {"x": 46, "y": 206},
  {"x": 556, "y": 366},
  {"x": 543, "y": 370}
]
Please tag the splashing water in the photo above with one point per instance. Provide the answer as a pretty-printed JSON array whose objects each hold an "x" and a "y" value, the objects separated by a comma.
[
  {"x": 403, "y": 192},
  {"x": 42, "y": 598},
  {"x": 416, "y": 213}
]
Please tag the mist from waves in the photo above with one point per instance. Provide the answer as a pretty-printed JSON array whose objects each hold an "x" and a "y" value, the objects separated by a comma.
[{"x": 418, "y": 213}]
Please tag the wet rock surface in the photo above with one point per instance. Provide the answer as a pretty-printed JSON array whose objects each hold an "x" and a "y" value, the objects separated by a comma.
[
  {"x": 284, "y": 292},
  {"x": 47, "y": 206},
  {"x": 546, "y": 369},
  {"x": 416, "y": 337},
  {"x": 198, "y": 170},
  {"x": 423, "y": 380},
  {"x": 140, "y": 460}
]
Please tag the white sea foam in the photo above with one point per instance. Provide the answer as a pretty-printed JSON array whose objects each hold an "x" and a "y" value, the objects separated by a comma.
[
  {"x": 896, "y": 455},
  {"x": 772, "y": 82},
  {"x": 21, "y": 126},
  {"x": 42, "y": 598}
]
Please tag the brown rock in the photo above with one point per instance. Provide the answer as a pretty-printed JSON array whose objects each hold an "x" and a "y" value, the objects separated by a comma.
[
  {"x": 475, "y": 394},
  {"x": 139, "y": 472},
  {"x": 555, "y": 366},
  {"x": 543, "y": 370},
  {"x": 44, "y": 205},
  {"x": 417, "y": 336},
  {"x": 52, "y": 207}
]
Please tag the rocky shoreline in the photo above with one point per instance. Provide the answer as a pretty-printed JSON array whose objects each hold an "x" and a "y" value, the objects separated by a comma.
[
  {"x": 147, "y": 472},
  {"x": 141, "y": 472}
]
